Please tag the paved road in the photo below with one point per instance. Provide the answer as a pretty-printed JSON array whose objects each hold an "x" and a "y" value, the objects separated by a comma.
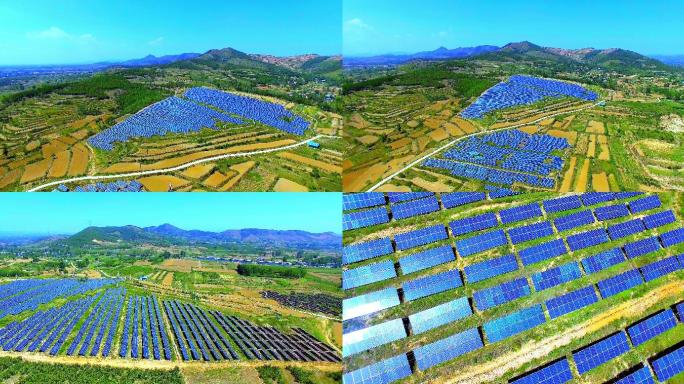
[
  {"x": 176, "y": 168},
  {"x": 449, "y": 144}
]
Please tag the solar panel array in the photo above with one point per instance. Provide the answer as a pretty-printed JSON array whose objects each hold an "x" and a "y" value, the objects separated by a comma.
[
  {"x": 371, "y": 273},
  {"x": 490, "y": 268},
  {"x": 601, "y": 352},
  {"x": 642, "y": 247},
  {"x": 415, "y": 207},
  {"x": 480, "y": 243},
  {"x": 420, "y": 237},
  {"x": 530, "y": 232},
  {"x": 426, "y": 259},
  {"x": 669, "y": 365},
  {"x": 500, "y": 294},
  {"x": 431, "y": 284},
  {"x": 383, "y": 372},
  {"x": 514, "y": 323},
  {"x": 660, "y": 268},
  {"x": 373, "y": 336},
  {"x": 439, "y": 315},
  {"x": 640, "y": 376},
  {"x": 448, "y": 348},
  {"x": 365, "y": 218},
  {"x": 368, "y": 250},
  {"x": 571, "y": 301},
  {"x": 473, "y": 223},
  {"x": 369, "y": 303},
  {"x": 554, "y": 373},
  {"x": 556, "y": 276},
  {"x": 352, "y": 201},
  {"x": 651, "y": 327},
  {"x": 620, "y": 283}
]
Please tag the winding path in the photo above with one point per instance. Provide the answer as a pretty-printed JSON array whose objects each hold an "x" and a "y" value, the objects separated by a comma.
[
  {"x": 449, "y": 144},
  {"x": 178, "y": 167}
]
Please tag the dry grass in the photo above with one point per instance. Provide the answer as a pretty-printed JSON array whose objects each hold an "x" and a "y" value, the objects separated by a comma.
[
  {"x": 285, "y": 185},
  {"x": 60, "y": 165},
  {"x": 596, "y": 127},
  {"x": 36, "y": 170},
  {"x": 591, "y": 149},
  {"x": 241, "y": 170},
  {"x": 198, "y": 171},
  {"x": 168, "y": 279},
  {"x": 160, "y": 183},
  {"x": 312, "y": 162},
  {"x": 566, "y": 185},
  {"x": 368, "y": 139},
  {"x": 599, "y": 182},
  {"x": 583, "y": 177},
  {"x": 79, "y": 160},
  {"x": 216, "y": 179}
]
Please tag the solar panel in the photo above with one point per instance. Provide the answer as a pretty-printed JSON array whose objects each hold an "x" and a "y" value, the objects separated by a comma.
[
  {"x": 365, "y": 218},
  {"x": 642, "y": 247},
  {"x": 420, "y": 237},
  {"x": 603, "y": 260},
  {"x": 474, "y": 223},
  {"x": 415, "y": 208},
  {"x": 479, "y": 243},
  {"x": 571, "y": 301},
  {"x": 426, "y": 259},
  {"x": 680, "y": 311},
  {"x": 542, "y": 251},
  {"x": 624, "y": 229},
  {"x": 368, "y": 250},
  {"x": 561, "y": 204},
  {"x": 659, "y": 219},
  {"x": 593, "y": 198},
  {"x": 397, "y": 197},
  {"x": 530, "y": 232},
  {"x": 372, "y": 337},
  {"x": 672, "y": 237},
  {"x": 456, "y": 199},
  {"x": 651, "y": 327},
  {"x": 490, "y": 268},
  {"x": 447, "y": 349},
  {"x": 500, "y": 294},
  {"x": 587, "y": 239},
  {"x": 669, "y": 365},
  {"x": 514, "y": 323},
  {"x": 371, "y": 273},
  {"x": 660, "y": 268},
  {"x": 554, "y": 373},
  {"x": 369, "y": 303},
  {"x": 619, "y": 283},
  {"x": 610, "y": 212},
  {"x": 383, "y": 372},
  {"x": 640, "y": 376},
  {"x": 600, "y": 352},
  {"x": 442, "y": 314},
  {"x": 520, "y": 213},
  {"x": 362, "y": 200},
  {"x": 556, "y": 276},
  {"x": 644, "y": 204},
  {"x": 432, "y": 284},
  {"x": 574, "y": 220}
]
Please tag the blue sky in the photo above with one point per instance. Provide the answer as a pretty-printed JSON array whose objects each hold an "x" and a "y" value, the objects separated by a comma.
[
  {"x": 65, "y": 213},
  {"x": 80, "y": 31},
  {"x": 382, "y": 26}
]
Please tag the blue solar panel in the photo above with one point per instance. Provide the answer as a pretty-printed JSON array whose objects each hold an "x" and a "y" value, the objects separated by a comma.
[
  {"x": 659, "y": 219},
  {"x": 426, "y": 259},
  {"x": 554, "y": 373},
  {"x": 455, "y": 199},
  {"x": 442, "y": 314},
  {"x": 367, "y": 250},
  {"x": 415, "y": 208},
  {"x": 627, "y": 228},
  {"x": 383, "y": 372},
  {"x": 365, "y": 218},
  {"x": 640, "y": 376},
  {"x": 447, "y": 349},
  {"x": 603, "y": 260},
  {"x": 669, "y": 365},
  {"x": 593, "y": 198},
  {"x": 362, "y": 200},
  {"x": 587, "y": 239},
  {"x": 610, "y": 212},
  {"x": 520, "y": 213},
  {"x": 420, "y": 237},
  {"x": 514, "y": 323},
  {"x": 642, "y": 247},
  {"x": 397, "y": 197},
  {"x": 649, "y": 328},
  {"x": 500, "y": 294},
  {"x": 369, "y": 303},
  {"x": 479, "y": 243},
  {"x": 619, "y": 283},
  {"x": 432, "y": 284},
  {"x": 601, "y": 352},
  {"x": 561, "y": 204},
  {"x": 372, "y": 337},
  {"x": 371, "y": 273},
  {"x": 571, "y": 301},
  {"x": 530, "y": 232},
  {"x": 542, "y": 251},
  {"x": 556, "y": 276},
  {"x": 680, "y": 311},
  {"x": 672, "y": 237},
  {"x": 490, "y": 268},
  {"x": 574, "y": 220},
  {"x": 474, "y": 223},
  {"x": 644, "y": 204},
  {"x": 660, "y": 268}
]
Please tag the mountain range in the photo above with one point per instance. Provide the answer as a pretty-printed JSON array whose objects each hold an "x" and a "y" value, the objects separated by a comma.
[{"x": 440, "y": 53}]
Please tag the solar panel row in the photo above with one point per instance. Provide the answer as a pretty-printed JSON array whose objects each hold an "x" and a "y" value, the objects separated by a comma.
[
  {"x": 368, "y": 250},
  {"x": 500, "y": 294},
  {"x": 448, "y": 348},
  {"x": 369, "y": 303},
  {"x": 556, "y": 276},
  {"x": 669, "y": 365},
  {"x": 651, "y": 327},
  {"x": 519, "y": 213},
  {"x": 365, "y": 218},
  {"x": 397, "y": 197},
  {"x": 372, "y": 337},
  {"x": 659, "y": 219},
  {"x": 426, "y": 259},
  {"x": 420, "y": 237},
  {"x": 555, "y": 373},
  {"x": 371, "y": 273},
  {"x": 600, "y": 352},
  {"x": 530, "y": 232},
  {"x": 542, "y": 251},
  {"x": 640, "y": 376},
  {"x": 574, "y": 220},
  {"x": 603, "y": 260},
  {"x": 431, "y": 284},
  {"x": 624, "y": 229},
  {"x": 571, "y": 301},
  {"x": 456, "y": 199},
  {"x": 439, "y": 315},
  {"x": 480, "y": 243},
  {"x": 415, "y": 208},
  {"x": 490, "y": 268},
  {"x": 644, "y": 204},
  {"x": 473, "y": 224},
  {"x": 383, "y": 372},
  {"x": 642, "y": 247},
  {"x": 561, "y": 204},
  {"x": 660, "y": 268},
  {"x": 619, "y": 283},
  {"x": 514, "y": 323},
  {"x": 609, "y": 212},
  {"x": 362, "y": 200},
  {"x": 587, "y": 239}
]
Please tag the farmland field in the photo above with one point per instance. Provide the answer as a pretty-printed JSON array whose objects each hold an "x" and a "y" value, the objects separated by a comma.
[{"x": 470, "y": 287}]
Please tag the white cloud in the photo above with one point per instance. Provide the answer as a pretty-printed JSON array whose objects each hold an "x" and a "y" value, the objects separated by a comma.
[
  {"x": 87, "y": 38},
  {"x": 156, "y": 41},
  {"x": 356, "y": 24},
  {"x": 50, "y": 33}
]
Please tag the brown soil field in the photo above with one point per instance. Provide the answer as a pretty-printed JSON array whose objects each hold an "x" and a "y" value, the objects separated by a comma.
[
  {"x": 464, "y": 125},
  {"x": 591, "y": 149},
  {"x": 368, "y": 139},
  {"x": 198, "y": 171},
  {"x": 412, "y": 124},
  {"x": 92, "y": 274},
  {"x": 216, "y": 179},
  {"x": 241, "y": 170},
  {"x": 596, "y": 127},
  {"x": 433, "y": 186},
  {"x": 453, "y": 129},
  {"x": 10, "y": 177},
  {"x": 531, "y": 129},
  {"x": 355, "y": 180},
  {"x": 179, "y": 265},
  {"x": 583, "y": 177},
  {"x": 123, "y": 167},
  {"x": 571, "y": 136},
  {"x": 80, "y": 134},
  {"x": 357, "y": 121},
  {"x": 567, "y": 121},
  {"x": 168, "y": 279},
  {"x": 558, "y": 124},
  {"x": 160, "y": 183},
  {"x": 423, "y": 142},
  {"x": 312, "y": 162},
  {"x": 285, "y": 185},
  {"x": 599, "y": 182},
  {"x": 79, "y": 160},
  {"x": 36, "y": 170},
  {"x": 393, "y": 188},
  {"x": 439, "y": 134},
  {"x": 547, "y": 122},
  {"x": 54, "y": 146},
  {"x": 60, "y": 165},
  {"x": 605, "y": 150},
  {"x": 432, "y": 123},
  {"x": 567, "y": 178},
  {"x": 400, "y": 143}
]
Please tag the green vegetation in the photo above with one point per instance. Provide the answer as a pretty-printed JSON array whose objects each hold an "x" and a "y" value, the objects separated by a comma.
[
  {"x": 270, "y": 271},
  {"x": 271, "y": 375}
]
